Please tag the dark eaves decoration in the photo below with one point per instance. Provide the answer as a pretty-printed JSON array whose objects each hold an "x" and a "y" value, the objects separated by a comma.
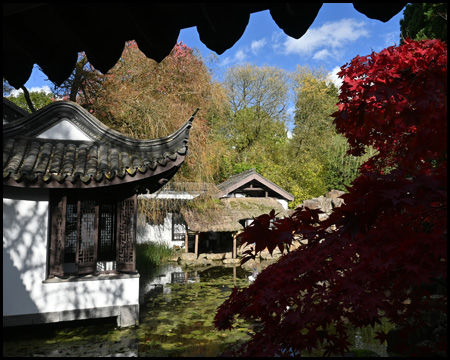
[
  {"x": 101, "y": 30},
  {"x": 109, "y": 159}
]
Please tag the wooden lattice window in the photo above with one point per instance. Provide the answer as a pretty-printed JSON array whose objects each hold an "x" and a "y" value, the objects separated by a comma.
[
  {"x": 107, "y": 239},
  {"x": 178, "y": 227},
  {"x": 87, "y": 231},
  {"x": 126, "y": 235}
]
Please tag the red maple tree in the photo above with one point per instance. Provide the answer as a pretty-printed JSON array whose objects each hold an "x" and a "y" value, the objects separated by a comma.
[{"x": 387, "y": 256}]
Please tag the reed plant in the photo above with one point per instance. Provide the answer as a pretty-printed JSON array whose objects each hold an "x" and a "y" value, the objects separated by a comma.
[{"x": 151, "y": 254}]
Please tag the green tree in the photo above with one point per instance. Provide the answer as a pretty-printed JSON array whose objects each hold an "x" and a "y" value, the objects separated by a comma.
[
  {"x": 424, "y": 21},
  {"x": 342, "y": 168},
  {"x": 39, "y": 99},
  {"x": 253, "y": 133},
  {"x": 264, "y": 89},
  {"x": 252, "y": 130},
  {"x": 316, "y": 101},
  {"x": 313, "y": 131},
  {"x": 323, "y": 163}
]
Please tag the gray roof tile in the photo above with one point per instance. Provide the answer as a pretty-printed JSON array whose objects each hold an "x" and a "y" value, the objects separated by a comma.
[{"x": 109, "y": 156}]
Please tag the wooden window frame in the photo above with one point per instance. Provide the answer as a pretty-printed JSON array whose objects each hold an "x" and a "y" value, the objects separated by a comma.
[
  {"x": 180, "y": 236},
  {"x": 124, "y": 236}
]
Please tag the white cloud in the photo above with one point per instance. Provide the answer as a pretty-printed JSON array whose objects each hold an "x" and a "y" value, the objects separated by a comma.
[
  {"x": 333, "y": 77},
  {"x": 275, "y": 41},
  {"x": 328, "y": 40},
  {"x": 257, "y": 45},
  {"x": 226, "y": 62},
  {"x": 44, "y": 88},
  {"x": 240, "y": 55},
  {"x": 322, "y": 54},
  {"x": 243, "y": 53}
]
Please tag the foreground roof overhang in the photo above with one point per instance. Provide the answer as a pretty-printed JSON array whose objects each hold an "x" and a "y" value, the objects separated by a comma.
[
  {"x": 109, "y": 159},
  {"x": 52, "y": 34}
]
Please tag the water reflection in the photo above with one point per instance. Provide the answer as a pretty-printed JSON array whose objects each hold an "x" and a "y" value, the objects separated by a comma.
[
  {"x": 176, "y": 319},
  {"x": 156, "y": 282}
]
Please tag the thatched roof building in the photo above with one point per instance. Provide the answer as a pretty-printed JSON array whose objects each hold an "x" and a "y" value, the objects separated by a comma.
[{"x": 229, "y": 214}]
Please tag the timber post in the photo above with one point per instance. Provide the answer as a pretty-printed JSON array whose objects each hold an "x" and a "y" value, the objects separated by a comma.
[{"x": 196, "y": 244}]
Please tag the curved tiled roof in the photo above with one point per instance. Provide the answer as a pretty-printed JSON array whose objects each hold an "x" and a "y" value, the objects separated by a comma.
[{"x": 110, "y": 158}]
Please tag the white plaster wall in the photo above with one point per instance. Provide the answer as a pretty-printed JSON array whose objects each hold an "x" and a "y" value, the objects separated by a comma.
[
  {"x": 24, "y": 254},
  {"x": 156, "y": 233},
  {"x": 64, "y": 130},
  {"x": 284, "y": 203},
  {"x": 87, "y": 294},
  {"x": 25, "y": 227}
]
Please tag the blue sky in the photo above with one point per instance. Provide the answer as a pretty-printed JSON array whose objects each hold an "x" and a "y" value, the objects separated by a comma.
[{"x": 338, "y": 34}]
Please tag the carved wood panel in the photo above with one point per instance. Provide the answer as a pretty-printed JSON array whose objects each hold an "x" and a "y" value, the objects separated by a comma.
[
  {"x": 87, "y": 236},
  {"x": 107, "y": 240},
  {"x": 56, "y": 257},
  {"x": 126, "y": 235}
]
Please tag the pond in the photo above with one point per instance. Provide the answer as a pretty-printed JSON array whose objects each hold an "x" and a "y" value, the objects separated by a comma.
[{"x": 176, "y": 319}]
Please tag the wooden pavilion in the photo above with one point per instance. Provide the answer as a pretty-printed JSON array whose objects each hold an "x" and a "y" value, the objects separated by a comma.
[{"x": 70, "y": 187}]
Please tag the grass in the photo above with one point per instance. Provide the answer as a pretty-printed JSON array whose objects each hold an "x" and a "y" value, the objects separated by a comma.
[{"x": 151, "y": 254}]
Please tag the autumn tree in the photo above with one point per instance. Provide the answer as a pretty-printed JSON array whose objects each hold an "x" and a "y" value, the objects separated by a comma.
[
  {"x": 387, "y": 256},
  {"x": 83, "y": 85},
  {"x": 145, "y": 99}
]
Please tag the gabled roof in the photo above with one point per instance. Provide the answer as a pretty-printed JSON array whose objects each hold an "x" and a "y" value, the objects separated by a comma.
[
  {"x": 110, "y": 158},
  {"x": 251, "y": 182},
  {"x": 101, "y": 29}
]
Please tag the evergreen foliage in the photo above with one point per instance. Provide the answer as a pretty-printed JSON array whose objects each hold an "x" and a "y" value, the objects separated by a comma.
[{"x": 424, "y": 21}]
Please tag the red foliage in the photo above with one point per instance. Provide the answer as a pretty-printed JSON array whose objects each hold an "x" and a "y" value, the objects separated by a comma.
[{"x": 389, "y": 247}]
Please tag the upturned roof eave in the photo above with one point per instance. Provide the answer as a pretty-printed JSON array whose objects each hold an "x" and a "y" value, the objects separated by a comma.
[
  {"x": 35, "y": 123},
  {"x": 27, "y": 160}
]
